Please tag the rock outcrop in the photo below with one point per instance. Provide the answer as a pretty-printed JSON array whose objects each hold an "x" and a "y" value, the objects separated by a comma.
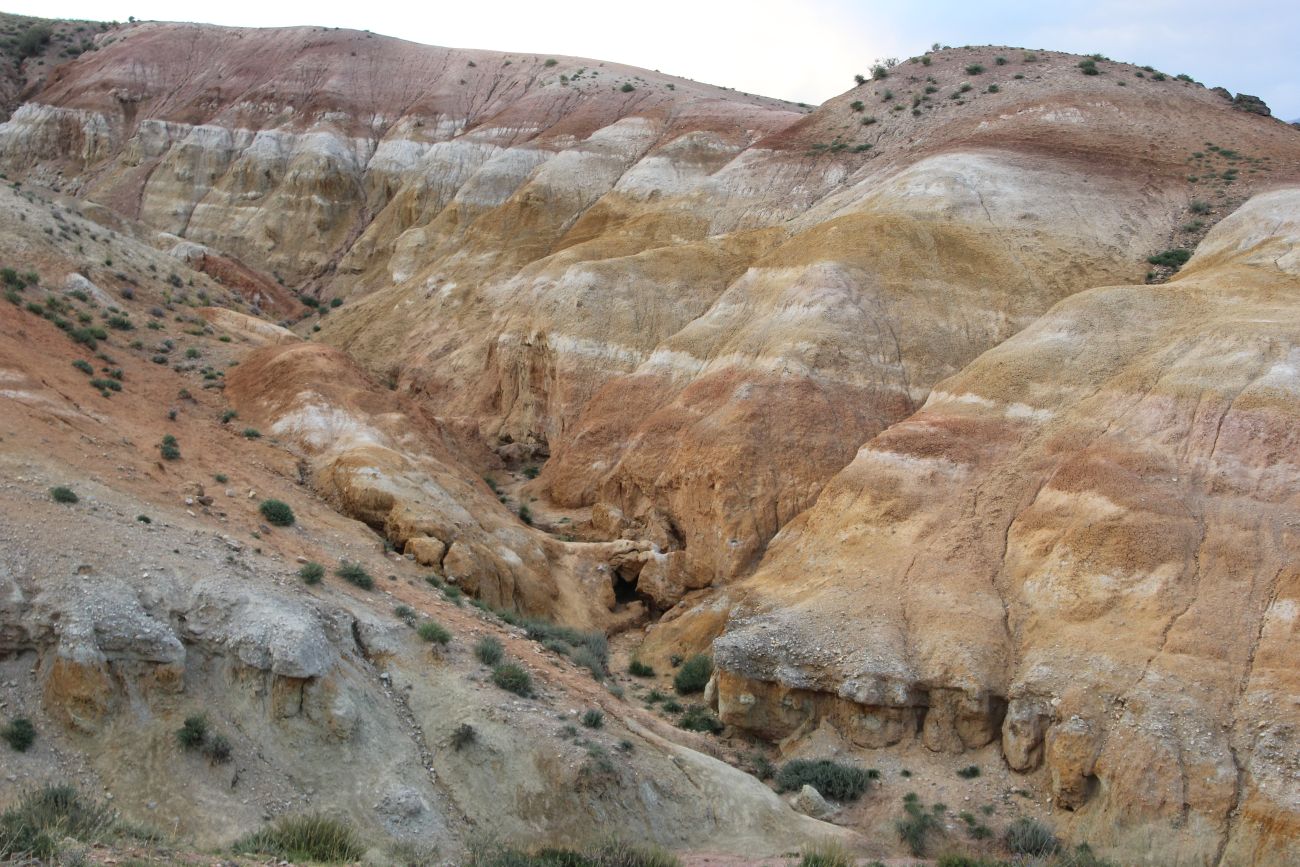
[{"x": 1081, "y": 547}]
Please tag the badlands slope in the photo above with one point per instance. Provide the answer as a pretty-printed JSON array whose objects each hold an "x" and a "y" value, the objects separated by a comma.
[
  {"x": 1063, "y": 549},
  {"x": 1082, "y": 549}
]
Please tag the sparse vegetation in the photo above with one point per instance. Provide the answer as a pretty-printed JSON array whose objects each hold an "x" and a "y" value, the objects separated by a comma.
[
  {"x": 434, "y": 632},
  {"x": 63, "y": 494},
  {"x": 305, "y": 838},
  {"x": 1026, "y": 836},
  {"x": 694, "y": 675},
  {"x": 19, "y": 734},
  {"x": 1175, "y": 258},
  {"x": 513, "y": 678},
  {"x": 612, "y": 853},
  {"x": 917, "y": 824},
  {"x": 277, "y": 512},
  {"x": 637, "y": 668},
  {"x": 593, "y": 719},
  {"x": 193, "y": 732},
  {"x": 311, "y": 572},
  {"x": 974, "y": 69},
  {"x": 354, "y": 574},
  {"x": 218, "y": 749},
  {"x": 34, "y": 826},
  {"x": 489, "y": 651},
  {"x": 833, "y": 779},
  {"x": 698, "y": 718},
  {"x": 588, "y": 649},
  {"x": 169, "y": 448},
  {"x": 463, "y": 736},
  {"x": 829, "y": 854}
]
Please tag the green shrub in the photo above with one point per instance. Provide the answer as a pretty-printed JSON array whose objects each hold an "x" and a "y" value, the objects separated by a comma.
[
  {"x": 169, "y": 449},
  {"x": 311, "y": 573},
  {"x": 228, "y": 415},
  {"x": 251, "y": 433},
  {"x": 83, "y": 366},
  {"x": 612, "y": 853},
  {"x": 1089, "y": 67},
  {"x": 974, "y": 69},
  {"x": 1175, "y": 258},
  {"x": 20, "y": 734},
  {"x": 694, "y": 675},
  {"x": 969, "y": 772},
  {"x": 305, "y": 838},
  {"x": 672, "y": 706},
  {"x": 829, "y": 854},
  {"x": 1082, "y": 856},
  {"x": 32, "y": 827},
  {"x": 193, "y": 732},
  {"x": 700, "y": 719},
  {"x": 637, "y": 668},
  {"x": 917, "y": 824},
  {"x": 513, "y": 678},
  {"x": 593, "y": 719},
  {"x": 406, "y": 614},
  {"x": 354, "y": 574},
  {"x": 1025, "y": 836},
  {"x": 1199, "y": 207},
  {"x": 627, "y": 88},
  {"x": 489, "y": 651},
  {"x": 586, "y": 658},
  {"x": 434, "y": 632},
  {"x": 594, "y": 641},
  {"x": 62, "y": 494},
  {"x": 834, "y": 780},
  {"x": 277, "y": 512},
  {"x": 218, "y": 749}
]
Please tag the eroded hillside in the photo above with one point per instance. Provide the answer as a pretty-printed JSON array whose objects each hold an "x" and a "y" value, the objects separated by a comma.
[{"x": 584, "y": 339}]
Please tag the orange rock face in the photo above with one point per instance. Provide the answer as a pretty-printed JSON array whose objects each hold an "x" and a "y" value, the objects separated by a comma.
[{"x": 1065, "y": 550}]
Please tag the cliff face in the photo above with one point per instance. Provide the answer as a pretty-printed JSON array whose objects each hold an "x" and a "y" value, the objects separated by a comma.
[{"x": 1083, "y": 548}]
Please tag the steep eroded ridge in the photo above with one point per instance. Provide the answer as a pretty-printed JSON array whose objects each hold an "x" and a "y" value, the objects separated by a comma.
[{"x": 1083, "y": 547}]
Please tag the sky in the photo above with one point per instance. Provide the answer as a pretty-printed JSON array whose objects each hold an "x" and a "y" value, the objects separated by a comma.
[{"x": 802, "y": 51}]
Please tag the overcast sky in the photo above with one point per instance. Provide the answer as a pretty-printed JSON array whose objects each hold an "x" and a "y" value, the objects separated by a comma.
[{"x": 804, "y": 51}]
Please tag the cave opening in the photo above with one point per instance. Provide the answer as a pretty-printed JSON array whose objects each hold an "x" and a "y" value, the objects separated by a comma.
[{"x": 626, "y": 593}]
